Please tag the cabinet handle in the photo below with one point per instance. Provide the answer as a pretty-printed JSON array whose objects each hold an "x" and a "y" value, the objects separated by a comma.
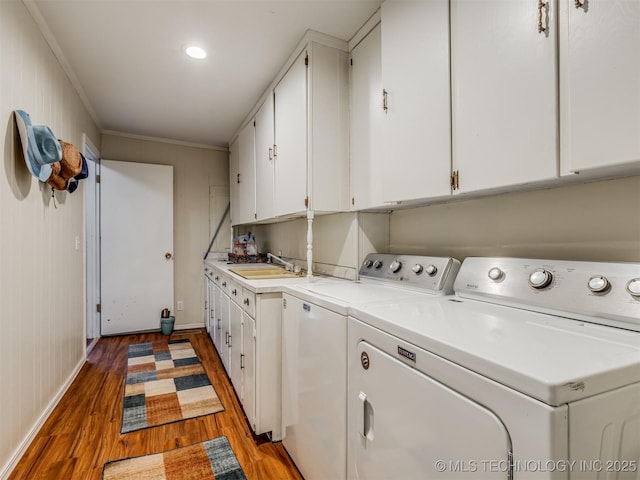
[
  {"x": 226, "y": 339},
  {"x": 224, "y": 284},
  {"x": 242, "y": 361},
  {"x": 385, "y": 106},
  {"x": 235, "y": 292},
  {"x": 238, "y": 178},
  {"x": 219, "y": 324},
  {"x": 246, "y": 302},
  {"x": 229, "y": 342},
  {"x": 541, "y": 6},
  {"x": 217, "y": 278},
  {"x": 270, "y": 154}
]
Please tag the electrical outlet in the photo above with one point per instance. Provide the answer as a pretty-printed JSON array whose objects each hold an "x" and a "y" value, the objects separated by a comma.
[{"x": 179, "y": 305}]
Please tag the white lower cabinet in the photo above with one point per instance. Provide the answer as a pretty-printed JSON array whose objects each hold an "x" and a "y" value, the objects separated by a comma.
[{"x": 248, "y": 330}]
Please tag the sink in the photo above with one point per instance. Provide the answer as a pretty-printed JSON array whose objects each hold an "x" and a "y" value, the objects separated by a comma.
[{"x": 263, "y": 273}]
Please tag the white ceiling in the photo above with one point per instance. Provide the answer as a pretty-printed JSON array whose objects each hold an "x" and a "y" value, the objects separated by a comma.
[{"x": 127, "y": 57}]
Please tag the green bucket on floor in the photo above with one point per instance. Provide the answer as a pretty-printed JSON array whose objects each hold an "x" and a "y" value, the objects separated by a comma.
[{"x": 166, "y": 324}]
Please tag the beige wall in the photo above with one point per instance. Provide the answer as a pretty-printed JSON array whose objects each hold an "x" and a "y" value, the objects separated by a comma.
[
  {"x": 196, "y": 171},
  {"x": 42, "y": 315},
  {"x": 597, "y": 221}
]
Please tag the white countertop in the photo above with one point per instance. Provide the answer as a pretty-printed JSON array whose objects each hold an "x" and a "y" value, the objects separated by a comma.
[{"x": 269, "y": 285}]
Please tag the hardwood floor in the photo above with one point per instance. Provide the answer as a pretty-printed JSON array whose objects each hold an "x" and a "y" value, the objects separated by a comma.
[{"x": 83, "y": 432}]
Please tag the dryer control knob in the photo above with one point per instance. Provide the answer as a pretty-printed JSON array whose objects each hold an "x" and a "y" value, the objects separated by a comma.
[
  {"x": 367, "y": 263},
  {"x": 495, "y": 274},
  {"x": 540, "y": 278},
  {"x": 598, "y": 284},
  {"x": 431, "y": 269},
  {"x": 395, "y": 266},
  {"x": 633, "y": 287},
  {"x": 377, "y": 264},
  {"x": 417, "y": 269}
]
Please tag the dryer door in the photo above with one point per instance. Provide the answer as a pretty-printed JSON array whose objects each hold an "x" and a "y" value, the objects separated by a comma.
[{"x": 410, "y": 426}]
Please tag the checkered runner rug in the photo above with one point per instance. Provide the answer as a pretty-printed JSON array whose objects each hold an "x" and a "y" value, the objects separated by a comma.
[{"x": 165, "y": 383}]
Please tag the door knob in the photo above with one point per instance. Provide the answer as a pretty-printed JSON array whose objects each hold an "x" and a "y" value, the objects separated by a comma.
[{"x": 168, "y": 256}]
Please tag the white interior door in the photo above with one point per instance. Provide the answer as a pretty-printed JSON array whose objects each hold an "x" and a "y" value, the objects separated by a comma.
[{"x": 136, "y": 245}]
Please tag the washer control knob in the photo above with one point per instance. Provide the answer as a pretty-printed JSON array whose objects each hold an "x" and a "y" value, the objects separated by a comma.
[
  {"x": 495, "y": 274},
  {"x": 633, "y": 287},
  {"x": 367, "y": 263},
  {"x": 540, "y": 278},
  {"x": 598, "y": 284},
  {"x": 395, "y": 266},
  {"x": 431, "y": 270},
  {"x": 417, "y": 269},
  {"x": 377, "y": 264}
]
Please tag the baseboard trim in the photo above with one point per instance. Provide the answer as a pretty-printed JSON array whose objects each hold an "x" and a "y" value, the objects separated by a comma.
[
  {"x": 189, "y": 326},
  {"x": 6, "y": 470}
]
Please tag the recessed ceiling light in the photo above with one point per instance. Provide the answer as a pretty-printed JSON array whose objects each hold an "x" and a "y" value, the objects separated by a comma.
[{"x": 195, "y": 52}]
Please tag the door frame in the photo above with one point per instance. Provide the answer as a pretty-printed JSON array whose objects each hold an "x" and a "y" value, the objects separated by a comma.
[{"x": 92, "y": 242}]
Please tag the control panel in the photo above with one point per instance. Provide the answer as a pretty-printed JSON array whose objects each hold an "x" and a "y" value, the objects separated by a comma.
[
  {"x": 435, "y": 274},
  {"x": 610, "y": 292}
]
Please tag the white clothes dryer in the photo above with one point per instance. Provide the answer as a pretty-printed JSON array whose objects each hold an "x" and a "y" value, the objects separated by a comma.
[
  {"x": 532, "y": 371},
  {"x": 314, "y": 351}
]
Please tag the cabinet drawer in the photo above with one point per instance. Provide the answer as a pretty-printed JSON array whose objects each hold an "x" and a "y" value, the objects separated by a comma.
[
  {"x": 222, "y": 282},
  {"x": 249, "y": 302},
  {"x": 234, "y": 291}
]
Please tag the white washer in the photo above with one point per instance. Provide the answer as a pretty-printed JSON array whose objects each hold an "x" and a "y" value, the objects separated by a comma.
[
  {"x": 531, "y": 371},
  {"x": 314, "y": 352}
]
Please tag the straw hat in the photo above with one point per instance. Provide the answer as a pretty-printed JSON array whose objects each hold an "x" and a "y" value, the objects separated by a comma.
[{"x": 67, "y": 168}]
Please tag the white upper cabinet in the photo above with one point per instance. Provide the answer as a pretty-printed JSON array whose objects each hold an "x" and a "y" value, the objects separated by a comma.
[
  {"x": 416, "y": 127},
  {"x": 599, "y": 84},
  {"x": 242, "y": 173},
  {"x": 504, "y": 92},
  {"x": 264, "y": 160},
  {"x": 312, "y": 133},
  {"x": 366, "y": 123},
  {"x": 290, "y": 174},
  {"x": 234, "y": 186}
]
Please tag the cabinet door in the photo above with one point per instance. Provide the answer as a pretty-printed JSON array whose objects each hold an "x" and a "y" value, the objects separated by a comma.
[
  {"x": 249, "y": 368},
  {"x": 209, "y": 311},
  {"x": 235, "y": 346},
  {"x": 244, "y": 177},
  {"x": 366, "y": 122},
  {"x": 216, "y": 325},
  {"x": 234, "y": 185},
  {"x": 415, "y": 77},
  {"x": 291, "y": 140},
  {"x": 600, "y": 84},
  {"x": 504, "y": 96},
  {"x": 223, "y": 321},
  {"x": 264, "y": 160}
]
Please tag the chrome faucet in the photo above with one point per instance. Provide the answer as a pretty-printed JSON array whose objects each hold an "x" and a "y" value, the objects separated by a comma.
[{"x": 287, "y": 265}]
